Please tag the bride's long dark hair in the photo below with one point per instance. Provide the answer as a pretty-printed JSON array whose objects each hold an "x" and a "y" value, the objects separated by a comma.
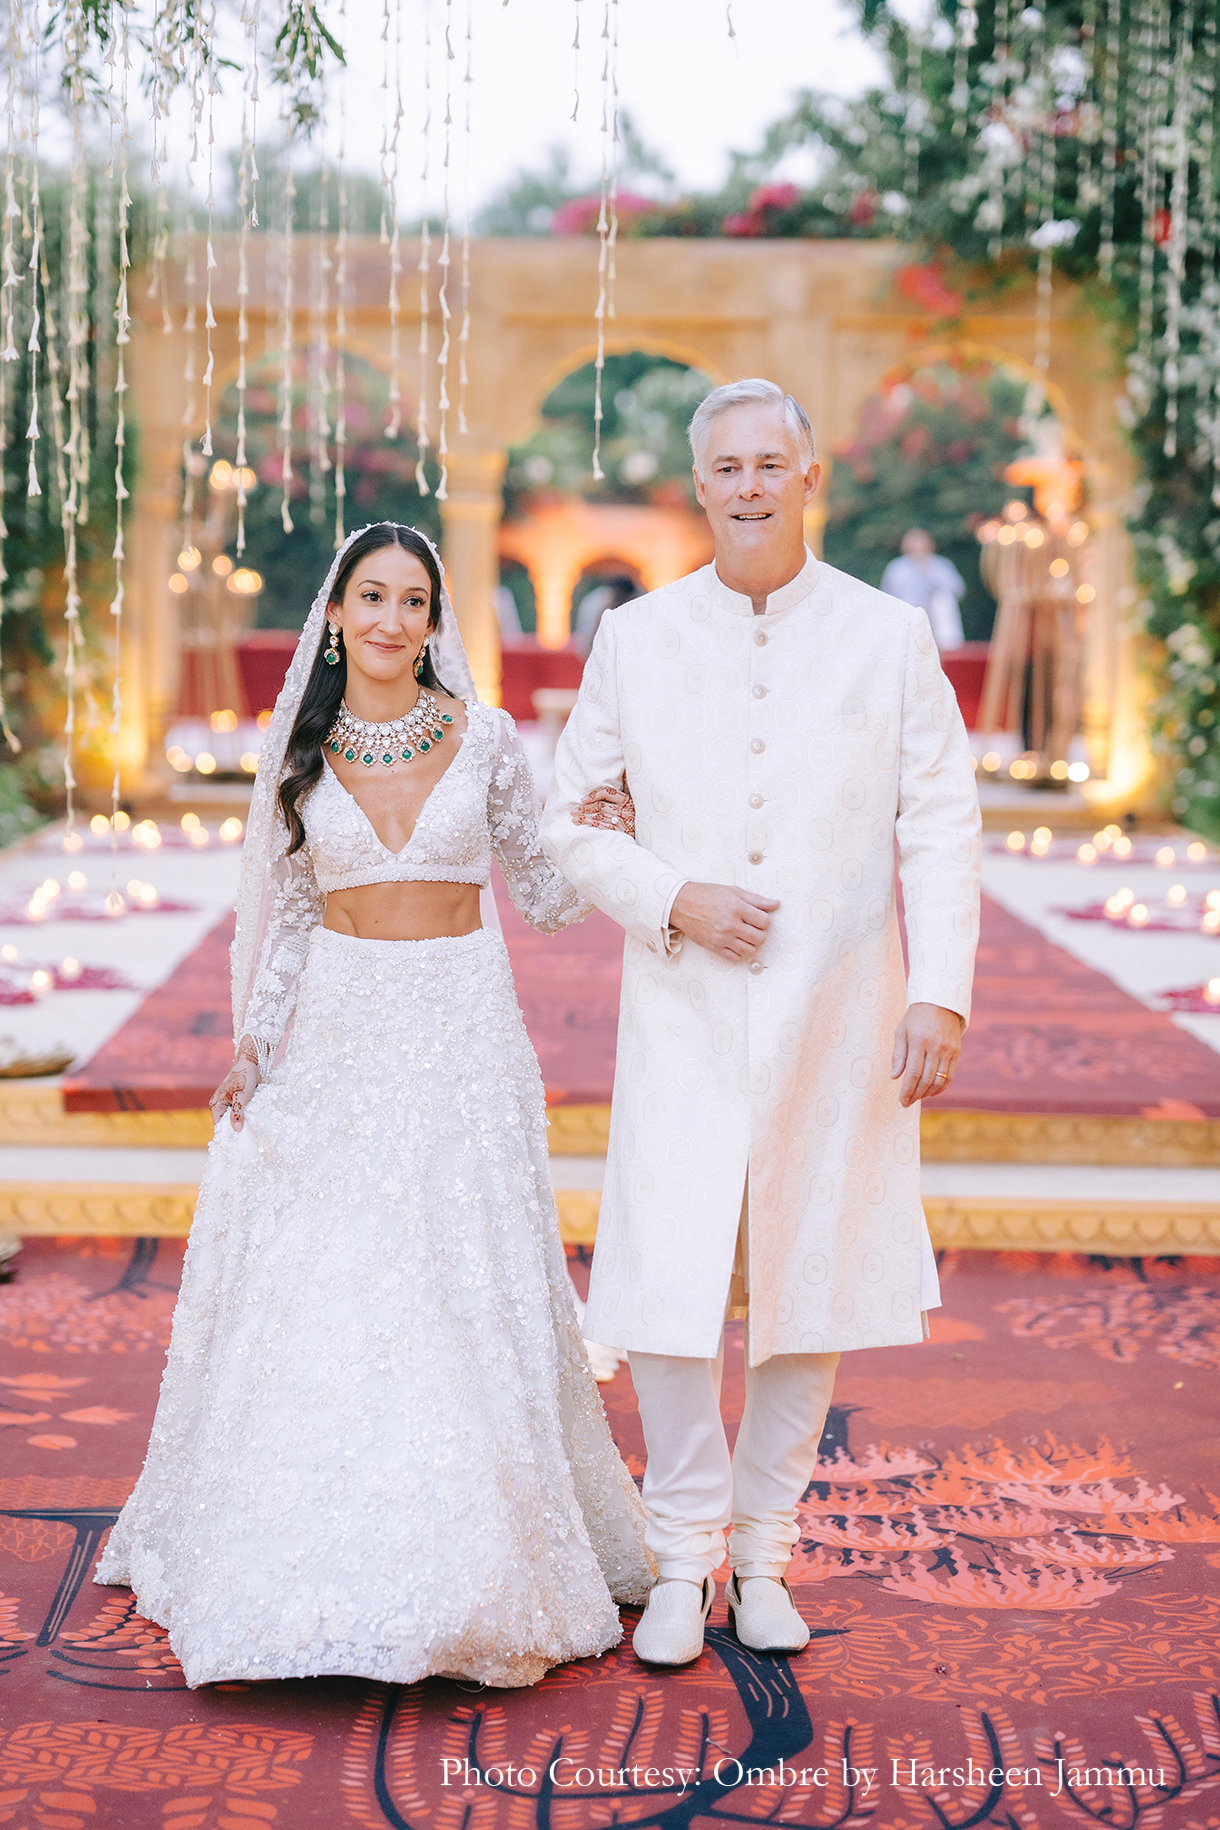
[{"x": 326, "y": 685}]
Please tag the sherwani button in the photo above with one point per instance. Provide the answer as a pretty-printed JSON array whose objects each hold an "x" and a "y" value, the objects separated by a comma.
[
  {"x": 758, "y": 746},
  {"x": 756, "y": 965},
  {"x": 760, "y": 692},
  {"x": 756, "y": 800},
  {"x": 760, "y": 637},
  {"x": 755, "y": 857}
]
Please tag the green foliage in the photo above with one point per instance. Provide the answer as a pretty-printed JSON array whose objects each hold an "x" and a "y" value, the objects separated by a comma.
[{"x": 930, "y": 453}]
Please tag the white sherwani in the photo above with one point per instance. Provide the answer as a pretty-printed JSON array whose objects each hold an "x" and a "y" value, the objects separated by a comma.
[{"x": 783, "y": 753}]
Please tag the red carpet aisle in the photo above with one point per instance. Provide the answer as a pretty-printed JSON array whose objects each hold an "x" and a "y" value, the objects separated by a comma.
[
  {"x": 1049, "y": 1034},
  {"x": 1013, "y": 1561}
]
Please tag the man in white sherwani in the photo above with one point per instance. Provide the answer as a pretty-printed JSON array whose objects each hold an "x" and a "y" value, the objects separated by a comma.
[{"x": 780, "y": 726}]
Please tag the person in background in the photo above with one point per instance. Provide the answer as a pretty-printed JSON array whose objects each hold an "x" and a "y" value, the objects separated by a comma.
[{"x": 925, "y": 578}]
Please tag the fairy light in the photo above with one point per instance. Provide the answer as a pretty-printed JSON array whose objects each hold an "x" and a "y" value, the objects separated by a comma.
[
  {"x": 423, "y": 439},
  {"x": 966, "y": 35},
  {"x": 576, "y": 60},
  {"x": 464, "y": 332},
  {"x": 190, "y": 328},
  {"x": 341, "y": 312},
  {"x": 442, "y": 359},
  {"x": 912, "y": 114},
  {"x": 162, "y": 79}
]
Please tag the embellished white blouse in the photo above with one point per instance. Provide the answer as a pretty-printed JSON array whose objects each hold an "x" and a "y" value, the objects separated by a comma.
[{"x": 481, "y": 807}]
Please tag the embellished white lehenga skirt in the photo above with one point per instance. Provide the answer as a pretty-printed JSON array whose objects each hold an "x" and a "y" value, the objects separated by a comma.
[{"x": 379, "y": 1449}]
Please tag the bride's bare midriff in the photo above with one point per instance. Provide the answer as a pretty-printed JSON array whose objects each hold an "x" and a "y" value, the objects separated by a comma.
[{"x": 404, "y": 911}]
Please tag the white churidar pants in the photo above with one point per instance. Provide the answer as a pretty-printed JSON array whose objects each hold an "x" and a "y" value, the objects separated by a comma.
[
  {"x": 693, "y": 1490},
  {"x": 692, "y": 1487}
]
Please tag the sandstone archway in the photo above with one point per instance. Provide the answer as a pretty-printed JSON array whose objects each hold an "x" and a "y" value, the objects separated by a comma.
[{"x": 820, "y": 317}]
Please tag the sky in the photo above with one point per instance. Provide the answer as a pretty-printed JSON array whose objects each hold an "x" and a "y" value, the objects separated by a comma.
[{"x": 693, "y": 91}]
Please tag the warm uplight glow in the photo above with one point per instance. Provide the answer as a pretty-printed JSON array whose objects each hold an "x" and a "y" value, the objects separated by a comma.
[
  {"x": 991, "y": 761},
  {"x": 1078, "y": 772},
  {"x": 205, "y": 762},
  {"x": 40, "y": 983},
  {"x": 189, "y": 821},
  {"x": 230, "y": 829},
  {"x": 147, "y": 834},
  {"x": 223, "y": 721},
  {"x": 222, "y": 474},
  {"x": 99, "y": 824},
  {"x": 1196, "y": 852},
  {"x": 1015, "y": 841},
  {"x": 1103, "y": 840},
  {"x": 1212, "y": 899},
  {"x": 70, "y": 968},
  {"x": 1085, "y": 594},
  {"x": 1034, "y": 537},
  {"x": 264, "y": 719},
  {"x": 198, "y": 835},
  {"x": 1122, "y": 847},
  {"x": 77, "y": 880},
  {"x": 1015, "y": 511},
  {"x": 245, "y": 582},
  {"x": 135, "y": 885},
  {"x": 122, "y": 820},
  {"x": 1059, "y": 770},
  {"x": 177, "y": 758},
  {"x": 244, "y": 478},
  {"x": 1087, "y": 854},
  {"x": 1119, "y": 902},
  {"x": 179, "y": 582},
  {"x": 1138, "y": 915},
  {"x": 1211, "y": 921},
  {"x": 1166, "y": 855},
  {"x": 72, "y": 841},
  {"x": 148, "y": 895},
  {"x": 8, "y": 952},
  {"x": 1212, "y": 991},
  {"x": 1176, "y": 893},
  {"x": 249, "y": 761},
  {"x": 1006, "y": 536},
  {"x": 1059, "y": 568},
  {"x": 1078, "y": 533},
  {"x": 189, "y": 558},
  {"x": 222, "y": 565}
]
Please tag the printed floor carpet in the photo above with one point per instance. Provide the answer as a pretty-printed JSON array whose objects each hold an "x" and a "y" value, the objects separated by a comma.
[
  {"x": 1010, "y": 1558},
  {"x": 1048, "y": 1034}
]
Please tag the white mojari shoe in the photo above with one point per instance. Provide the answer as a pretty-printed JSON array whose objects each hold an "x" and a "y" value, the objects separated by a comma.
[
  {"x": 670, "y": 1630},
  {"x": 764, "y": 1614}
]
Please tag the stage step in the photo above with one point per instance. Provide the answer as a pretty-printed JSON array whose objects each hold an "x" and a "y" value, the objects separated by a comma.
[
  {"x": 1032, "y": 1207},
  {"x": 31, "y": 1112}
]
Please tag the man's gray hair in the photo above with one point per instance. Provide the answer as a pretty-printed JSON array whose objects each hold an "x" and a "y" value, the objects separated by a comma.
[{"x": 739, "y": 394}]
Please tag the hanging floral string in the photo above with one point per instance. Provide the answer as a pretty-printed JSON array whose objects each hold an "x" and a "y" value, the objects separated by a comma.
[
  {"x": 341, "y": 316},
  {"x": 13, "y": 52},
  {"x": 464, "y": 332},
  {"x": 209, "y": 316},
  {"x": 1109, "y": 137},
  {"x": 424, "y": 268},
  {"x": 319, "y": 467},
  {"x": 576, "y": 60},
  {"x": 122, "y": 338},
  {"x": 287, "y": 305},
  {"x": 442, "y": 359},
  {"x": 76, "y": 449},
  {"x": 966, "y": 34},
  {"x": 33, "y": 346},
  {"x": 1175, "y": 272},
  {"x": 394, "y": 419},
  {"x": 247, "y": 208},
  {"x": 607, "y": 218}
]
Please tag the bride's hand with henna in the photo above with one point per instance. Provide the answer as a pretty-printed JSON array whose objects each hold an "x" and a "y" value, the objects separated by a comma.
[
  {"x": 236, "y": 1089},
  {"x": 610, "y": 808}
]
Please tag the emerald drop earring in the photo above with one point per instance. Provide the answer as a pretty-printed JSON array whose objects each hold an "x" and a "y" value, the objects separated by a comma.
[{"x": 330, "y": 653}]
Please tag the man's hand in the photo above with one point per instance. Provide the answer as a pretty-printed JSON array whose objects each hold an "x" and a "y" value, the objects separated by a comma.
[
  {"x": 730, "y": 923},
  {"x": 927, "y": 1044}
]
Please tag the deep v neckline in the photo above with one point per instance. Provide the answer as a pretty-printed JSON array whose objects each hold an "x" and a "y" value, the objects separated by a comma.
[{"x": 424, "y": 804}]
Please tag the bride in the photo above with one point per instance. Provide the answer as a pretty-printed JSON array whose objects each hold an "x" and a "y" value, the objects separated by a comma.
[{"x": 379, "y": 1449}]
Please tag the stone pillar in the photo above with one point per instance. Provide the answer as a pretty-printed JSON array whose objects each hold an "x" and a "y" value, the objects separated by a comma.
[
  {"x": 153, "y": 531},
  {"x": 470, "y": 522}
]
